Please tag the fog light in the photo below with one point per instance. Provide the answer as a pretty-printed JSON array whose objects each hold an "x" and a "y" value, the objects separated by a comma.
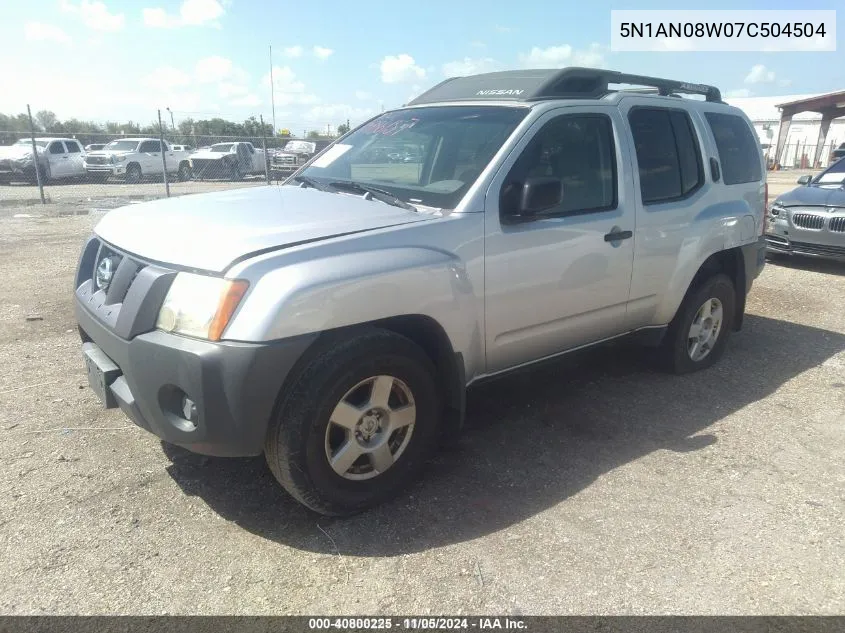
[{"x": 189, "y": 410}]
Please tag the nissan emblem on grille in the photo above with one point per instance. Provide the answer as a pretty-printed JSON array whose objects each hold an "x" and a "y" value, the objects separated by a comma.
[{"x": 105, "y": 272}]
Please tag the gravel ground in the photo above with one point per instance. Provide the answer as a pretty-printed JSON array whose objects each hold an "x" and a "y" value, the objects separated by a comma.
[{"x": 594, "y": 485}]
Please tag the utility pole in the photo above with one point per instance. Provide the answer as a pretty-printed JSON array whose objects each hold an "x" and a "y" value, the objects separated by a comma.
[
  {"x": 264, "y": 147},
  {"x": 172, "y": 124},
  {"x": 272, "y": 91},
  {"x": 163, "y": 160},
  {"x": 35, "y": 155}
]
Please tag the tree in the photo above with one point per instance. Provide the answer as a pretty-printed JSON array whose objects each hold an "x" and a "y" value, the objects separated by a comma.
[
  {"x": 342, "y": 129},
  {"x": 314, "y": 134},
  {"x": 46, "y": 120}
]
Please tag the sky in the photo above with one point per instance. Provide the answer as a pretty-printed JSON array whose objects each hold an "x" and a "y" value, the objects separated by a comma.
[{"x": 122, "y": 60}]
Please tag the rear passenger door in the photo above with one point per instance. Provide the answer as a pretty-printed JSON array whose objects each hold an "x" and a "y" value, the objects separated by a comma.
[
  {"x": 671, "y": 189},
  {"x": 74, "y": 152}
]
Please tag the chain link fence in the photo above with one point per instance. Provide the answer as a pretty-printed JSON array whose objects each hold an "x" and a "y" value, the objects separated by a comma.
[
  {"x": 801, "y": 155},
  {"x": 134, "y": 163}
]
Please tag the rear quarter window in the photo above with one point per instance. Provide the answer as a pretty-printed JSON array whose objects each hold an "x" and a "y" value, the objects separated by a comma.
[{"x": 738, "y": 148}]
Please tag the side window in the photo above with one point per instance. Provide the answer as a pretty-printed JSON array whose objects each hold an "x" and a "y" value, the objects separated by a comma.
[
  {"x": 150, "y": 146},
  {"x": 57, "y": 148},
  {"x": 737, "y": 147},
  {"x": 667, "y": 154},
  {"x": 73, "y": 147},
  {"x": 579, "y": 150}
]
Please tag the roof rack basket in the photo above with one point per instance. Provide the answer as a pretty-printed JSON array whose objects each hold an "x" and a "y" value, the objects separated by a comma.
[{"x": 573, "y": 82}]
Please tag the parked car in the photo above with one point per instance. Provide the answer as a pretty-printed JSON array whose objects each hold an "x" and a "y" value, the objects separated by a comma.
[
  {"x": 133, "y": 159},
  {"x": 810, "y": 219},
  {"x": 228, "y": 160},
  {"x": 94, "y": 147},
  {"x": 334, "y": 322},
  {"x": 183, "y": 148},
  {"x": 294, "y": 155},
  {"x": 58, "y": 159}
]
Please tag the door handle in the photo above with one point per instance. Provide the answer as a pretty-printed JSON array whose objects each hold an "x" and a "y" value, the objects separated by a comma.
[{"x": 616, "y": 235}]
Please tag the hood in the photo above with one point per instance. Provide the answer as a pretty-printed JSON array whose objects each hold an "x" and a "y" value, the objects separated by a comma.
[
  {"x": 18, "y": 151},
  {"x": 209, "y": 231},
  {"x": 813, "y": 196},
  {"x": 208, "y": 155}
]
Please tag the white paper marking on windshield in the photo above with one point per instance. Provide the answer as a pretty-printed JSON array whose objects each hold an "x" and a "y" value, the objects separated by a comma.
[{"x": 331, "y": 155}]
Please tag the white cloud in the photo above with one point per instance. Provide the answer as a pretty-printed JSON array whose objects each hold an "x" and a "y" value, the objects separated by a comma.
[
  {"x": 469, "y": 66},
  {"x": 739, "y": 92},
  {"x": 214, "y": 68},
  {"x": 321, "y": 52},
  {"x": 229, "y": 89},
  {"x": 247, "y": 100},
  {"x": 191, "y": 13},
  {"x": 40, "y": 32},
  {"x": 287, "y": 88},
  {"x": 336, "y": 113},
  {"x": 564, "y": 55},
  {"x": 293, "y": 51},
  {"x": 95, "y": 15},
  {"x": 759, "y": 74},
  {"x": 363, "y": 95},
  {"x": 165, "y": 78},
  {"x": 400, "y": 68}
]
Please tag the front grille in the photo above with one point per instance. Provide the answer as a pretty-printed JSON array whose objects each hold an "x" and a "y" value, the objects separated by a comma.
[
  {"x": 284, "y": 160},
  {"x": 808, "y": 221},
  {"x": 822, "y": 250},
  {"x": 837, "y": 225},
  {"x": 97, "y": 160}
]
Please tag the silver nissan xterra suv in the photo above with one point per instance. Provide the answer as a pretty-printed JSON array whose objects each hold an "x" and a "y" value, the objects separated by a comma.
[{"x": 333, "y": 322}]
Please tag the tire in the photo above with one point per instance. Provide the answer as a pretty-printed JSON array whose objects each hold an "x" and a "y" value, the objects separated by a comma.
[
  {"x": 184, "y": 172},
  {"x": 302, "y": 438},
  {"x": 679, "y": 354},
  {"x": 133, "y": 174},
  {"x": 235, "y": 172},
  {"x": 44, "y": 170}
]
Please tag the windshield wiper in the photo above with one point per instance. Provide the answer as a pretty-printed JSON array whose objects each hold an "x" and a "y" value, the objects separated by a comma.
[
  {"x": 316, "y": 184},
  {"x": 375, "y": 192}
]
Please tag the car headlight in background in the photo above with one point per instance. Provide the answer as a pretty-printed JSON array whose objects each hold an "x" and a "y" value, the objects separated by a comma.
[
  {"x": 117, "y": 159},
  {"x": 776, "y": 209},
  {"x": 200, "y": 306}
]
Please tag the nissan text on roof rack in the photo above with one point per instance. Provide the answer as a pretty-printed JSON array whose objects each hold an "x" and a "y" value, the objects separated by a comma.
[{"x": 334, "y": 322}]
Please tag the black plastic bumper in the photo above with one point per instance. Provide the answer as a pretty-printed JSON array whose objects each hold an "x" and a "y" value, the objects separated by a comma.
[
  {"x": 754, "y": 256},
  {"x": 233, "y": 385}
]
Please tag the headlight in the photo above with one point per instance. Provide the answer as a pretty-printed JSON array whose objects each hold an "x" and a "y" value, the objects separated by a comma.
[
  {"x": 200, "y": 306},
  {"x": 776, "y": 208},
  {"x": 117, "y": 159}
]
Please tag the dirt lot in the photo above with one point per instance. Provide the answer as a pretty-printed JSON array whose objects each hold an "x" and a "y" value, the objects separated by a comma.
[{"x": 591, "y": 486}]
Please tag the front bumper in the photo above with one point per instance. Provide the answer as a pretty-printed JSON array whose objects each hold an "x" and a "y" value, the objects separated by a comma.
[
  {"x": 112, "y": 170},
  {"x": 147, "y": 372},
  {"x": 827, "y": 240}
]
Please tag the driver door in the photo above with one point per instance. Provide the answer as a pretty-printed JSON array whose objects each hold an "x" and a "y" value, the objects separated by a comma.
[{"x": 561, "y": 279}]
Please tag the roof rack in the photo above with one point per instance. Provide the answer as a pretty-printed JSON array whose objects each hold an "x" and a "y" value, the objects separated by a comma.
[{"x": 568, "y": 83}]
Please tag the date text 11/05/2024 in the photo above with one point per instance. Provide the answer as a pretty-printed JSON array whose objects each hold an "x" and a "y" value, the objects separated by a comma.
[{"x": 433, "y": 623}]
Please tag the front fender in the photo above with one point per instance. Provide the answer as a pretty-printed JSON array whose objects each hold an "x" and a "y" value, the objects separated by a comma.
[{"x": 360, "y": 287}]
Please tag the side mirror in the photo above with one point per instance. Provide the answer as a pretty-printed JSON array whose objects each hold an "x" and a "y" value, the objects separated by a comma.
[
  {"x": 805, "y": 180},
  {"x": 539, "y": 194}
]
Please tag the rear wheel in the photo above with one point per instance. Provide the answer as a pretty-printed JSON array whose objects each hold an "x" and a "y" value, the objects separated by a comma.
[
  {"x": 357, "y": 423},
  {"x": 184, "y": 172},
  {"x": 700, "y": 330}
]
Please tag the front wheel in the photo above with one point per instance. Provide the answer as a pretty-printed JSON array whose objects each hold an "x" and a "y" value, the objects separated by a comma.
[
  {"x": 235, "y": 172},
  {"x": 133, "y": 174},
  {"x": 699, "y": 332},
  {"x": 357, "y": 423}
]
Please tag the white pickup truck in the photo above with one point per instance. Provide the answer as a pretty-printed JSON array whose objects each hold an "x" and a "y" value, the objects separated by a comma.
[
  {"x": 136, "y": 158},
  {"x": 228, "y": 160}
]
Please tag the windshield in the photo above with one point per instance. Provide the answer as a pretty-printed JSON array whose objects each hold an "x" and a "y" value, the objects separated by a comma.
[
  {"x": 26, "y": 141},
  {"x": 221, "y": 147},
  {"x": 835, "y": 174},
  {"x": 427, "y": 156},
  {"x": 122, "y": 146}
]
